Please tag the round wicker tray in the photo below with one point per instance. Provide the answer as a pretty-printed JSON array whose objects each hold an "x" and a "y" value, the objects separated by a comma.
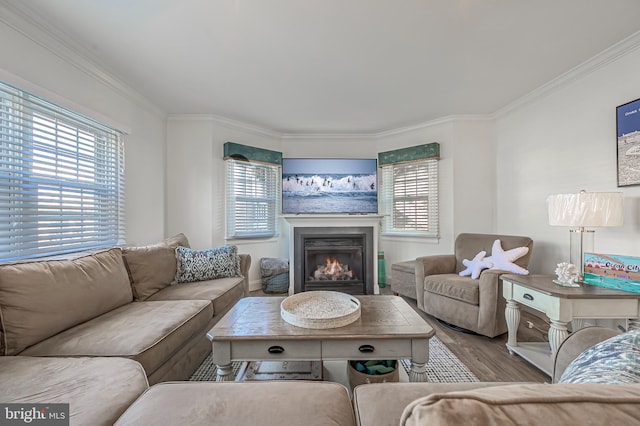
[{"x": 320, "y": 309}]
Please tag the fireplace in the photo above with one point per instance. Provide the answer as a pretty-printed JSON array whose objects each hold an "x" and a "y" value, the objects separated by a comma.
[{"x": 330, "y": 258}]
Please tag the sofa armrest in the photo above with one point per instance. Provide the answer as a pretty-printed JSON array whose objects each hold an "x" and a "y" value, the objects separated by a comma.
[
  {"x": 432, "y": 265},
  {"x": 245, "y": 264},
  {"x": 575, "y": 344}
]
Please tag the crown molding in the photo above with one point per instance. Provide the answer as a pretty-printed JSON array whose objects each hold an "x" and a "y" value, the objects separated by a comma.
[
  {"x": 227, "y": 122},
  {"x": 328, "y": 135},
  {"x": 50, "y": 96},
  {"x": 27, "y": 21},
  {"x": 284, "y": 136},
  {"x": 436, "y": 122},
  {"x": 607, "y": 56},
  {"x": 391, "y": 132}
]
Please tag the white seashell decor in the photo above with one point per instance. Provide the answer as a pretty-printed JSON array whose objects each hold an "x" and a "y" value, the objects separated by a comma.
[{"x": 567, "y": 274}]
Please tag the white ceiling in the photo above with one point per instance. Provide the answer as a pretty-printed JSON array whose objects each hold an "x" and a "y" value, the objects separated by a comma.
[{"x": 336, "y": 66}]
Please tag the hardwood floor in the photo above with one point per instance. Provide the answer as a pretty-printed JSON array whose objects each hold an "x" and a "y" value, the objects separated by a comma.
[{"x": 487, "y": 358}]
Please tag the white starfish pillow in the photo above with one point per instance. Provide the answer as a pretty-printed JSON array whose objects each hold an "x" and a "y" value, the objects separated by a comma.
[
  {"x": 475, "y": 266},
  {"x": 503, "y": 260}
]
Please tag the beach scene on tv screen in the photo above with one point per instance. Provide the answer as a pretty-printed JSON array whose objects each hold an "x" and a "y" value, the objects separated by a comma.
[{"x": 312, "y": 185}]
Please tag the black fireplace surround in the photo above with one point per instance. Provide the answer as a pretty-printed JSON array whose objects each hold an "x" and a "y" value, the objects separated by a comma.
[{"x": 333, "y": 258}]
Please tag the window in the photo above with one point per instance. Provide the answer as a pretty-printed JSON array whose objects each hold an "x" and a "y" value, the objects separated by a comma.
[
  {"x": 409, "y": 198},
  {"x": 252, "y": 199},
  {"x": 61, "y": 179}
]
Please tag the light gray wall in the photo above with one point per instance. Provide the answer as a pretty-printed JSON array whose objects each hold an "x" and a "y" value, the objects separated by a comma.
[
  {"x": 466, "y": 183},
  {"x": 564, "y": 140},
  {"x": 196, "y": 179},
  {"x": 79, "y": 86}
]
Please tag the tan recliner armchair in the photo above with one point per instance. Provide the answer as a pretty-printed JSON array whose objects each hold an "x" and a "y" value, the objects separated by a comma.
[{"x": 476, "y": 305}]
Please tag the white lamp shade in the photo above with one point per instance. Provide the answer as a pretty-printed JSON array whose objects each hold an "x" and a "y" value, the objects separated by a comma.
[{"x": 586, "y": 209}]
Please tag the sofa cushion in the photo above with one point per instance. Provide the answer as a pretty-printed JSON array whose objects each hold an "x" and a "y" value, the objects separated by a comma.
[
  {"x": 153, "y": 267},
  {"x": 148, "y": 332},
  {"x": 370, "y": 412},
  {"x": 98, "y": 390},
  {"x": 529, "y": 404},
  {"x": 242, "y": 404},
  {"x": 222, "y": 292},
  {"x": 40, "y": 299},
  {"x": 614, "y": 361},
  {"x": 454, "y": 286},
  {"x": 209, "y": 264}
]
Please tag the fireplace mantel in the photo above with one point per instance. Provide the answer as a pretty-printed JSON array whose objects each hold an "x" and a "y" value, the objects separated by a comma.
[{"x": 334, "y": 221}]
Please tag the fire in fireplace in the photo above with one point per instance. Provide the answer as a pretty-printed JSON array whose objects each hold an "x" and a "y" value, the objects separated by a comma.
[
  {"x": 333, "y": 270},
  {"x": 333, "y": 259}
]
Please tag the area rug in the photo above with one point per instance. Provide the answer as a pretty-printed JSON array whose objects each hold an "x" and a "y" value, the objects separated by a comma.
[{"x": 443, "y": 367}]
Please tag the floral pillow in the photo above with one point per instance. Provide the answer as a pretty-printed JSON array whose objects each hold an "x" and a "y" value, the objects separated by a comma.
[
  {"x": 201, "y": 265},
  {"x": 613, "y": 361}
]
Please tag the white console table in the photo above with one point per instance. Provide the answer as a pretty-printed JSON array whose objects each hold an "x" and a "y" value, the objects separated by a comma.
[{"x": 562, "y": 305}]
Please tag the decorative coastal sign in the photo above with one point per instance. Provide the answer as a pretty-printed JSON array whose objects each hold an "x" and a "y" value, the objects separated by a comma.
[{"x": 612, "y": 271}]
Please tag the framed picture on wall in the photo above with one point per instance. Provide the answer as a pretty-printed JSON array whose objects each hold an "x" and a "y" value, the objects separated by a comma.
[{"x": 628, "y": 143}]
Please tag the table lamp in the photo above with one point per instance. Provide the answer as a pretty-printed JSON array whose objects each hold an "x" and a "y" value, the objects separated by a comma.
[{"x": 581, "y": 210}]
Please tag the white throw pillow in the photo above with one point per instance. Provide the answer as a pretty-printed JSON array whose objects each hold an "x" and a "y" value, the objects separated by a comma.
[
  {"x": 475, "y": 266},
  {"x": 503, "y": 260}
]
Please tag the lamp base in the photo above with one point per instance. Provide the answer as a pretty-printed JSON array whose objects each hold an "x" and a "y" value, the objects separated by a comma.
[{"x": 580, "y": 241}]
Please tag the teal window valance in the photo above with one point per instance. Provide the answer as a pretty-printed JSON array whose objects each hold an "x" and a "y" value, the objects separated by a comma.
[
  {"x": 412, "y": 153},
  {"x": 238, "y": 151}
]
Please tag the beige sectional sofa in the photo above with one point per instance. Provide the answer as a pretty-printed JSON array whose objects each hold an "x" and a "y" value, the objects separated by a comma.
[
  {"x": 326, "y": 403},
  {"x": 115, "y": 303}
]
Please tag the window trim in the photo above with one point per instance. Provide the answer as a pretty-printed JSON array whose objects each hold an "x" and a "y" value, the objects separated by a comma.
[
  {"x": 76, "y": 160},
  {"x": 267, "y": 194},
  {"x": 387, "y": 198}
]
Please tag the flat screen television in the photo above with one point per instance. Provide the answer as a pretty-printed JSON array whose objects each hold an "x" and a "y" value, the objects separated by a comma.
[{"x": 329, "y": 185}]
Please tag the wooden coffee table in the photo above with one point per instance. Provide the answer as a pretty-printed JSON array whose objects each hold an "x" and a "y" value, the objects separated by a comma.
[{"x": 388, "y": 328}]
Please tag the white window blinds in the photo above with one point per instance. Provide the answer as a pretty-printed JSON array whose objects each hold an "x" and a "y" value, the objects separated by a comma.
[
  {"x": 252, "y": 199},
  {"x": 61, "y": 179},
  {"x": 409, "y": 198}
]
